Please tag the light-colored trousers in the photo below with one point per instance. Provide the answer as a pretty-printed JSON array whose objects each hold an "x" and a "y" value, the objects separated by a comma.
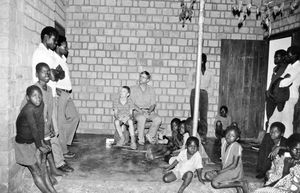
[
  {"x": 68, "y": 120},
  {"x": 141, "y": 120},
  {"x": 55, "y": 144}
]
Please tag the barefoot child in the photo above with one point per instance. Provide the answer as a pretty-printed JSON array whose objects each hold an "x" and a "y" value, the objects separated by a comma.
[
  {"x": 174, "y": 143},
  {"x": 222, "y": 121},
  {"x": 29, "y": 138},
  {"x": 123, "y": 107},
  {"x": 231, "y": 175},
  {"x": 185, "y": 164},
  {"x": 42, "y": 73},
  {"x": 188, "y": 132}
]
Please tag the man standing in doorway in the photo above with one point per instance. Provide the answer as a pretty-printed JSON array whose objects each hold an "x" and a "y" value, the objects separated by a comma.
[
  {"x": 206, "y": 86},
  {"x": 291, "y": 79},
  {"x": 144, "y": 99}
]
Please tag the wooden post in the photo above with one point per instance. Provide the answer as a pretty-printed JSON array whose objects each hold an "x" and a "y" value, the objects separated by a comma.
[{"x": 198, "y": 69}]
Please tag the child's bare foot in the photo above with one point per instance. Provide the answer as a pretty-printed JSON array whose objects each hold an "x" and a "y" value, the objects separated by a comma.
[
  {"x": 121, "y": 142},
  {"x": 245, "y": 187},
  {"x": 239, "y": 190},
  {"x": 133, "y": 146},
  {"x": 149, "y": 154},
  {"x": 53, "y": 180},
  {"x": 57, "y": 172}
]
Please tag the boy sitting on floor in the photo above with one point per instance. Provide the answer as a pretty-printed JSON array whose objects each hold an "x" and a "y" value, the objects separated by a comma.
[{"x": 123, "y": 107}]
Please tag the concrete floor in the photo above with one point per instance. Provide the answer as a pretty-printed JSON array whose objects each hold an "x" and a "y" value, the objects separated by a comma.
[{"x": 112, "y": 170}]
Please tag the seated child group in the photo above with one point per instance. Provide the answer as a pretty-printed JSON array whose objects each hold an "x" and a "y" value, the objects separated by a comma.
[{"x": 38, "y": 144}]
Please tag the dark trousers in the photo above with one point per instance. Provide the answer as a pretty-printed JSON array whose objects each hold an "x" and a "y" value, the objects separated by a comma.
[
  {"x": 203, "y": 108},
  {"x": 219, "y": 132},
  {"x": 263, "y": 162},
  {"x": 270, "y": 107}
]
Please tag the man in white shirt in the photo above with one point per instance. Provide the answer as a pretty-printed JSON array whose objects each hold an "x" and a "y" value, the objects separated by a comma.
[
  {"x": 292, "y": 77},
  {"x": 68, "y": 117},
  {"x": 45, "y": 54},
  {"x": 206, "y": 86}
]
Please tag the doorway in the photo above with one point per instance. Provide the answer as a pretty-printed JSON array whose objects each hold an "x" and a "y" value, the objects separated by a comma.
[{"x": 243, "y": 81}]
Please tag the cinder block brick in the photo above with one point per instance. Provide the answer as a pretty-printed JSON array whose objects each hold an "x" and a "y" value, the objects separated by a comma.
[
  {"x": 142, "y": 33},
  {"x": 172, "y": 91},
  {"x": 133, "y": 40},
  {"x": 125, "y": 32},
  {"x": 149, "y": 40},
  {"x": 178, "y": 113},
  {"x": 174, "y": 49},
  {"x": 182, "y": 42},
  {"x": 135, "y": 10},
  {"x": 151, "y": 11}
]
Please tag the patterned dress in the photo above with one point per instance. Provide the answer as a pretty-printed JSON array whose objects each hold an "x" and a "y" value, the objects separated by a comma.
[
  {"x": 275, "y": 173},
  {"x": 288, "y": 184}
]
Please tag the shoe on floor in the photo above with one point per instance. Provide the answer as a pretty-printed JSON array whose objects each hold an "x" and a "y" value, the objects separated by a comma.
[
  {"x": 69, "y": 155},
  {"x": 66, "y": 168}
]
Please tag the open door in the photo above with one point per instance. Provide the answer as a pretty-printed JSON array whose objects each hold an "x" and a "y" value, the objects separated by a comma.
[{"x": 243, "y": 82}]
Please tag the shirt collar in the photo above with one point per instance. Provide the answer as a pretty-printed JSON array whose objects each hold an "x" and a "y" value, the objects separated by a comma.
[{"x": 42, "y": 46}]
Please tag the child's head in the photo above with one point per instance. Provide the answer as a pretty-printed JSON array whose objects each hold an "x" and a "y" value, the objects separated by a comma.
[
  {"x": 49, "y": 37},
  {"x": 34, "y": 95},
  {"x": 223, "y": 111},
  {"x": 182, "y": 127},
  {"x": 42, "y": 72},
  {"x": 279, "y": 56},
  {"x": 175, "y": 125},
  {"x": 192, "y": 145},
  {"x": 293, "y": 143},
  {"x": 125, "y": 92},
  {"x": 277, "y": 130},
  {"x": 62, "y": 45},
  {"x": 232, "y": 134},
  {"x": 189, "y": 125}
]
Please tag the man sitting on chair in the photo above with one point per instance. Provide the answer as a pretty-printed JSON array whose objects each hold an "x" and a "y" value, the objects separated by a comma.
[{"x": 143, "y": 97}]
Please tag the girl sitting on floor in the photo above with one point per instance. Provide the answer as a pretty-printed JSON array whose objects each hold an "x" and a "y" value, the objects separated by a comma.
[
  {"x": 185, "y": 164},
  {"x": 231, "y": 175},
  {"x": 290, "y": 180}
]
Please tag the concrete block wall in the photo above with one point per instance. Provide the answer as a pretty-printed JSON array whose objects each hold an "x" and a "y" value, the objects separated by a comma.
[
  {"x": 5, "y": 150},
  {"x": 288, "y": 21},
  {"x": 60, "y": 12},
  {"x": 112, "y": 41},
  {"x": 219, "y": 23},
  {"x": 21, "y": 21}
]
